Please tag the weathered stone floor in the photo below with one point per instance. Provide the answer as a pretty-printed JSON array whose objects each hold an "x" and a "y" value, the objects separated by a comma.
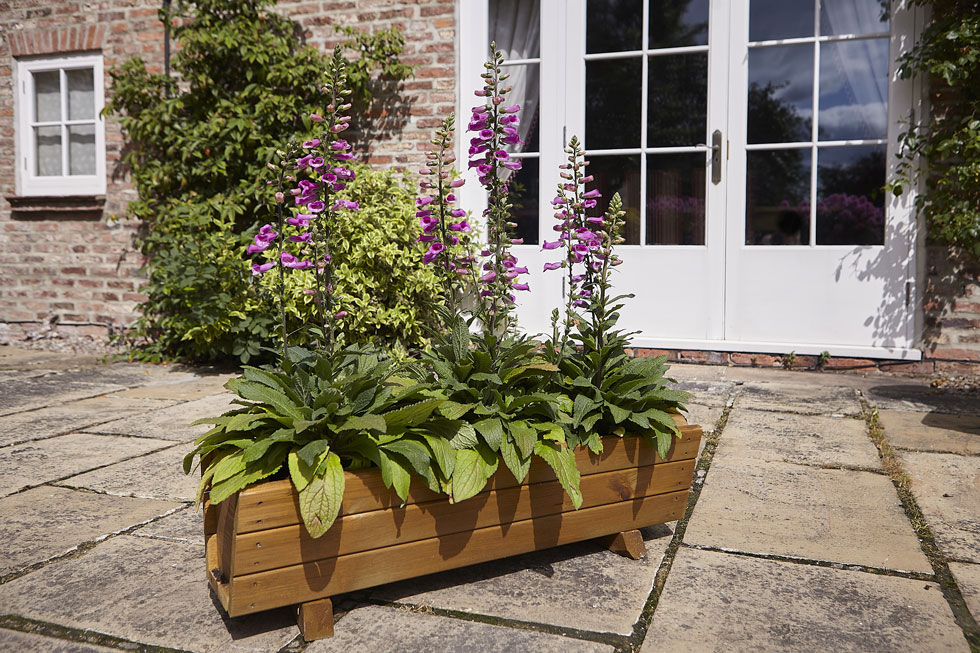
[{"x": 797, "y": 538}]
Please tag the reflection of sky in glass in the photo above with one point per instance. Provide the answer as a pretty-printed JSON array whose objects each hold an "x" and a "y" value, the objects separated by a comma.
[
  {"x": 854, "y": 17},
  {"x": 778, "y": 196},
  {"x": 780, "y": 19},
  {"x": 854, "y": 90},
  {"x": 789, "y": 69},
  {"x": 676, "y": 23},
  {"x": 850, "y": 195}
]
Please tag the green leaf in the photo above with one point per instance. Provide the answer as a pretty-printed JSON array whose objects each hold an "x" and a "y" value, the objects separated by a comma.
[
  {"x": 419, "y": 456},
  {"x": 562, "y": 461},
  {"x": 227, "y": 467},
  {"x": 454, "y": 410},
  {"x": 465, "y": 437},
  {"x": 492, "y": 431},
  {"x": 411, "y": 415},
  {"x": 263, "y": 394},
  {"x": 311, "y": 452},
  {"x": 470, "y": 474},
  {"x": 364, "y": 423},
  {"x": 319, "y": 501},
  {"x": 394, "y": 474},
  {"x": 524, "y": 437},
  {"x": 442, "y": 453},
  {"x": 460, "y": 339},
  {"x": 618, "y": 414},
  {"x": 581, "y": 406},
  {"x": 489, "y": 377},
  {"x": 518, "y": 464}
]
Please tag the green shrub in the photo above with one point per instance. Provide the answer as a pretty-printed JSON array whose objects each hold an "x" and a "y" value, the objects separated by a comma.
[{"x": 197, "y": 155}]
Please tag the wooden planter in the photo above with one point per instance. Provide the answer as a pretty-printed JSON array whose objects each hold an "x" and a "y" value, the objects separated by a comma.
[{"x": 260, "y": 556}]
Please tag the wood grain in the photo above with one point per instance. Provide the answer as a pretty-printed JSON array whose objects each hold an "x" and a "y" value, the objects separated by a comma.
[
  {"x": 627, "y": 543},
  {"x": 315, "y": 619}
]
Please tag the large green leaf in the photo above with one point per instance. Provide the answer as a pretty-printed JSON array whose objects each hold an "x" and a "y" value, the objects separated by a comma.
[
  {"x": 465, "y": 437},
  {"x": 319, "y": 501},
  {"x": 492, "y": 431},
  {"x": 524, "y": 437},
  {"x": 562, "y": 461},
  {"x": 518, "y": 464},
  {"x": 253, "y": 391},
  {"x": 470, "y": 474},
  {"x": 364, "y": 423},
  {"x": 419, "y": 456},
  {"x": 411, "y": 415},
  {"x": 394, "y": 474},
  {"x": 454, "y": 410},
  {"x": 442, "y": 453}
]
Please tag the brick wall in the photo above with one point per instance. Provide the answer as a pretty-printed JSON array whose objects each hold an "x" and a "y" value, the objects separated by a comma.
[{"x": 61, "y": 260}]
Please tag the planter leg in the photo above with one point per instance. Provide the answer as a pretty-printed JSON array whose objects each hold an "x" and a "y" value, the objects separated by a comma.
[
  {"x": 315, "y": 619},
  {"x": 627, "y": 543}
]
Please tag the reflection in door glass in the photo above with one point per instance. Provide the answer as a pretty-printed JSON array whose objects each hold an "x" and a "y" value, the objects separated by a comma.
[
  {"x": 523, "y": 191},
  {"x": 619, "y": 174},
  {"x": 676, "y": 23},
  {"x": 851, "y": 195},
  {"x": 515, "y": 26},
  {"x": 612, "y": 103},
  {"x": 853, "y": 90},
  {"x": 780, "y": 19},
  {"x": 780, "y": 94},
  {"x": 614, "y": 25},
  {"x": 677, "y": 101},
  {"x": 526, "y": 82},
  {"x": 777, "y": 206},
  {"x": 854, "y": 17},
  {"x": 675, "y": 199}
]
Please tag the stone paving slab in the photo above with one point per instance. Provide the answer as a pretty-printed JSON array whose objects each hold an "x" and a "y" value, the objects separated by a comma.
[
  {"x": 722, "y": 602},
  {"x": 157, "y": 475},
  {"x": 932, "y": 431},
  {"x": 968, "y": 580},
  {"x": 805, "y": 398},
  {"x": 708, "y": 393},
  {"x": 181, "y": 388},
  {"x": 72, "y": 416},
  {"x": 47, "y": 521},
  {"x": 773, "y": 508},
  {"x": 49, "y": 390},
  {"x": 144, "y": 590},
  {"x": 807, "y": 439},
  {"x": 12, "y": 640},
  {"x": 172, "y": 423},
  {"x": 378, "y": 628},
  {"x": 947, "y": 489},
  {"x": 34, "y": 463},
  {"x": 890, "y": 395},
  {"x": 128, "y": 375},
  {"x": 576, "y": 586},
  {"x": 185, "y": 525},
  {"x": 705, "y": 416}
]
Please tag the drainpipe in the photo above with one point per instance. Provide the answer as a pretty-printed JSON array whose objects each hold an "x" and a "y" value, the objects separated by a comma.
[{"x": 166, "y": 41}]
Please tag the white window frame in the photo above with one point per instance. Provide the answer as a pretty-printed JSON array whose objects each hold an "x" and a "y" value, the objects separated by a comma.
[{"x": 28, "y": 182}]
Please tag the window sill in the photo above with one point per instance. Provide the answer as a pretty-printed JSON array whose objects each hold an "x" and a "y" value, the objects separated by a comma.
[{"x": 56, "y": 207}]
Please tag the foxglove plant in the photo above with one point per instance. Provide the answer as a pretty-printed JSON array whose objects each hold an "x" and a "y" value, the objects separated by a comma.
[{"x": 494, "y": 126}]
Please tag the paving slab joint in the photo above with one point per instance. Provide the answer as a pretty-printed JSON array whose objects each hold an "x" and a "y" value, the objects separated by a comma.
[
  {"x": 937, "y": 559},
  {"x": 54, "y": 631}
]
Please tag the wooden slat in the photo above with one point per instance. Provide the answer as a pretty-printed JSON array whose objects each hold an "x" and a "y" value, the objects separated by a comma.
[
  {"x": 290, "y": 545},
  {"x": 306, "y": 582},
  {"x": 275, "y": 504},
  {"x": 211, "y": 555},
  {"x": 227, "y": 528}
]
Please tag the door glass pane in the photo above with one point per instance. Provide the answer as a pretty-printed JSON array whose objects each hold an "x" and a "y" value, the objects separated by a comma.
[
  {"x": 614, "y": 25},
  {"x": 526, "y": 82},
  {"x": 677, "y": 102},
  {"x": 851, "y": 195},
  {"x": 47, "y": 147},
  {"x": 47, "y": 96},
  {"x": 81, "y": 150},
  {"x": 81, "y": 94},
  {"x": 618, "y": 174},
  {"x": 676, "y": 23},
  {"x": 612, "y": 103},
  {"x": 777, "y": 206},
  {"x": 523, "y": 194},
  {"x": 853, "y": 90},
  {"x": 780, "y": 94},
  {"x": 780, "y": 19},
  {"x": 854, "y": 17},
  {"x": 675, "y": 199}
]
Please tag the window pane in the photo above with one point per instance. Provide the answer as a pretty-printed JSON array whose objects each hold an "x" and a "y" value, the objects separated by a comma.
[
  {"x": 675, "y": 23},
  {"x": 47, "y": 142},
  {"x": 613, "y": 25},
  {"x": 777, "y": 210},
  {"x": 47, "y": 96},
  {"x": 526, "y": 81},
  {"x": 523, "y": 194},
  {"x": 618, "y": 174},
  {"x": 81, "y": 150},
  {"x": 515, "y": 26},
  {"x": 854, "y": 16},
  {"x": 780, "y": 94},
  {"x": 677, "y": 104},
  {"x": 780, "y": 19},
  {"x": 81, "y": 94},
  {"x": 854, "y": 90},
  {"x": 612, "y": 103},
  {"x": 851, "y": 195},
  {"x": 675, "y": 199}
]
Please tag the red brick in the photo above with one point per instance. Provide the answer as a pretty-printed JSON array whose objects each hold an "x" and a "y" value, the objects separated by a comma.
[
  {"x": 968, "y": 369},
  {"x": 837, "y": 363},
  {"x": 955, "y": 354},
  {"x": 913, "y": 367}
]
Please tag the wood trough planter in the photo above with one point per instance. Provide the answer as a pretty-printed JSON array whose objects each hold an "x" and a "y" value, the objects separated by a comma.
[{"x": 259, "y": 555}]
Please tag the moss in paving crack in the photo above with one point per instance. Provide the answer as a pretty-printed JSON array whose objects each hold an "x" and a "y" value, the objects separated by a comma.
[
  {"x": 700, "y": 475},
  {"x": 20, "y": 624},
  {"x": 903, "y": 485}
]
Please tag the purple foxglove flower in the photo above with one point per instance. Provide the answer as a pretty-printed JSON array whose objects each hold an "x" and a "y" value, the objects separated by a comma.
[
  {"x": 340, "y": 146},
  {"x": 485, "y": 169},
  {"x": 580, "y": 303},
  {"x": 486, "y": 293},
  {"x": 571, "y": 187},
  {"x": 434, "y": 250},
  {"x": 306, "y": 184},
  {"x": 315, "y": 117},
  {"x": 339, "y": 186},
  {"x": 520, "y": 286},
  {"x": 450, "y": 198},
  {"x": 551, "y": 245},
  {"x": 429, "y": 225},
  {"x": 512, "y": 139},
  {"x": 423, "y": 213},
  {"x": 258, "y": 269},
  {"x": 344, "y": 156},
  {"x": 453, "y": 240},
  {"x": 458, "y": 213},
  {"x": 509, "y": 131},
  {"x": 587, "y": 179},
  {"x": 317, "y": 162},
  {"x": 510, "y": 119},
  {"x": 486, "y": 134},
  {"x": 551, "y": 266},
  {"x": 514, "y": 108},
  {"x": 422, "y": 201},
  {"x": 456, "y": 183},
  {"x": 460, "y": 226},
  {"x": 485, "y": 252},
  {"x": 520, "y": 270},
  {"x": 558, "y": 201},
  {"x": 344, "y": 173},
  {"x": 336, "y": 129},
  {"x": 596, "y": 220},
  {"x": 580, "y": 248},
  {"x": 488, "y": 277},
  {"x": 578, "y": 277},
  {"x": 346, "y": 204},
  {"x": 256, "y": 248},
  {"x": 477, "y": 149},
  {"x": 310, "y": 144},
  {"x": 516, "y": 241},
  {"x": 592, "y": 194},
  {"x": 341, "y": 314},
  {"x": 299, "y": 221},
  {"x": 303, "y": 161},
  {"x": 480, "y": 93},
  {"x": 316, "y": 207},
  {"x": 589, "y": 204},
  {"x": 426, "y": 238},
  {"x": 585, "y": 293},
  {"x": 500, "y": 155},
  {"x": 584, "y": 234},
  {"x": 280, "y": 197},
  {"x": 302, "y": 238}
]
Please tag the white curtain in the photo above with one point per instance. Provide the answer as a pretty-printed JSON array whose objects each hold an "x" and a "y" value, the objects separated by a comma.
[
  {"x": 515, "y": 25},
  {"x": 861, "y": 66}
]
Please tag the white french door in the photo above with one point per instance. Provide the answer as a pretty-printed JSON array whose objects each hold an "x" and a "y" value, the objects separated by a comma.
[{"x": 748, "y": 140}]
